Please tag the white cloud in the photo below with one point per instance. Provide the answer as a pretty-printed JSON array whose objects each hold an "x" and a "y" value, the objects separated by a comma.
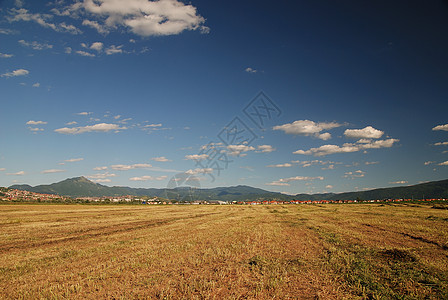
[
  {"x": 236, "y": 150},
  {"x": 355, "y": 174},
  {"x": 398, "y": 182},
  {"x": 18, "y": 72},
  {"x": 2, "y": 169},
  {"x": 441, "y": 127},
  {"x": 250, "y": 70},
  {"x": 51, "y": 171},
  {"x": 161, "y": 159},
  {"x": 308, "y": 128},
  {"x": 3, "y": 55},
  {"x": 100, "y": 168},
  {"x": 35, "y": 45},
  {"x": 265, "y": 149},
  {"x": 441, "y": 144},
  {"x": 145, "y": 18},
  {"x": 114, "y": 50},
  {"x": 7, "y": 31},
  {"x": 71, "y": 123},
  {"x": 94, "y": 24},
  {"x": 35, "y": 129},
  {"x": 84, "y": 53},
  {"x": 74, "y": 159},
  {"x": 36, "y": 85},
  {"x": 101, "y": 175},
  {"x": 286, "y": 165},
  {"x": 366, "y": 133},
  {"x": 130, "y": 167},
  {"x": 329, "y": 186},
  {"x": 285, "y": 181},
  {"x": 445, "y": 163},
  {"x": 20, "y": 173},
  {"x": 199, "y": 171},
  {"x": 148, "y": 178},
  {"x": 101, "y": 127},
  {"x": 84, "y": 113},
  {"x": 367, "y": 163},
  {"x": 97, "y": 46},
  {"x": 347, "y": 147},
  {"x": 31, "y": 122},
  {"x": 43, "y": 20},
  {"x": 68, "y": 50},
  {"x": 429, "y": 162},
  {"x": 196, "y": 156}
]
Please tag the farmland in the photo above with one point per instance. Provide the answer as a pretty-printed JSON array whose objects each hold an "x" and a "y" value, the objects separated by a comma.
[{"x": 333, "y": 251}]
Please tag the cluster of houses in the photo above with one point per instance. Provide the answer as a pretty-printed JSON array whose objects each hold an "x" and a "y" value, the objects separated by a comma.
[
  {"x": 26, "y": 196},
  {"x": 266, "y": 202}
]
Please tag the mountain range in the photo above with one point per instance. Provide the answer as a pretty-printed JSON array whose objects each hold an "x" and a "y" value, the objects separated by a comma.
[{"x": 82, "y": 187}]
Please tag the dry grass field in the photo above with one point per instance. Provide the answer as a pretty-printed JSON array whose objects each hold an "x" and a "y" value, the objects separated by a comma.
[{"x": 337, "y": 251}]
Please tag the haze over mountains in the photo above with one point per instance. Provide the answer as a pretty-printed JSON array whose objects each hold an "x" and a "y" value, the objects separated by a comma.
[{"x": 82, "y": 187}]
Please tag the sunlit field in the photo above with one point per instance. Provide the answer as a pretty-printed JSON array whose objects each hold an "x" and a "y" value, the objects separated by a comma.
[{"x": 335, "y": 251}]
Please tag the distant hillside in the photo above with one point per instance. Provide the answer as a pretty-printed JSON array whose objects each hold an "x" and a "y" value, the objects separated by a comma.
[
  {"x": 82, "y": 187},
  {"x": 433, "y": 189}
]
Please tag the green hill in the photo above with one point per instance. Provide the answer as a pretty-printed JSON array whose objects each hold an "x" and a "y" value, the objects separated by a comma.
[{"x": 82, "y": 187}]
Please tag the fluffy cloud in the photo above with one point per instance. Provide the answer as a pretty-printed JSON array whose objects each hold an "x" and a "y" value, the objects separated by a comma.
[
  {"x": 142, "y": 17},
  {"x": 199, "y": 171},
  {"x": 31, "y": 122},
  {"x": 308, "y": 128},
  {"x": 445, "y": 163},
  {"x": 355, "y": 174},
  {"x": 43, "y": 20},
  {"x": 101, "y": 176},
  {"x": 441, "y": 144},
  {"x": 51, "y": 171},
  {"x": 35, "y": 45},
  {"x": 130, "y": 167},
  {"x": 441, "y": 127},
  {"x": 102, "y": 127},
  {"x": 161, "y": 159},
  {"x": 286, "y": 165},
  {"x": 398, "y": 182},
  {"x": 348, "y": 147},
  {"x": 74, "y": 159},
  {"x": 114, "y": 50},
  {"x": 20, "y": 173},
  {"x": 98, "y": 46},
  {"x": 100, "y": 168},
  {"x": 18, "y": 72},
  {"x": 285, "y": 181},
  {"x": 196, "y": 156},
  {"x": 36, "y": 85},
  {"x": 265, "y": 149},
  {"x": 147, "y": 177},
  {"x": 250, "y": 70},
  {"x": 3, "y": 55},
  {"x": 236, "y": 150},
  {"x": 93, "y": 24},
  {"x": 84, "y": 53},
  {"x": 366, "y": 133}
]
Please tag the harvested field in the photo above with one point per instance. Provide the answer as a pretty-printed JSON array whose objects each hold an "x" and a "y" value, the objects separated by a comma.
[{"x": 337, "y": 251}]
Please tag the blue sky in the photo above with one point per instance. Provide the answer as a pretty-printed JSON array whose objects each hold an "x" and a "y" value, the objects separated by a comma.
[{"x": 294, "y": 97}]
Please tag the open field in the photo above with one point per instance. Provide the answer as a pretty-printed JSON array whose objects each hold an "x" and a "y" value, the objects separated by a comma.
[{"x": 373, "y": 251}]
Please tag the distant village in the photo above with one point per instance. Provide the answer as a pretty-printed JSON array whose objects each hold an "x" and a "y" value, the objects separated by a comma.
[{"x": 13, "y": 195}]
